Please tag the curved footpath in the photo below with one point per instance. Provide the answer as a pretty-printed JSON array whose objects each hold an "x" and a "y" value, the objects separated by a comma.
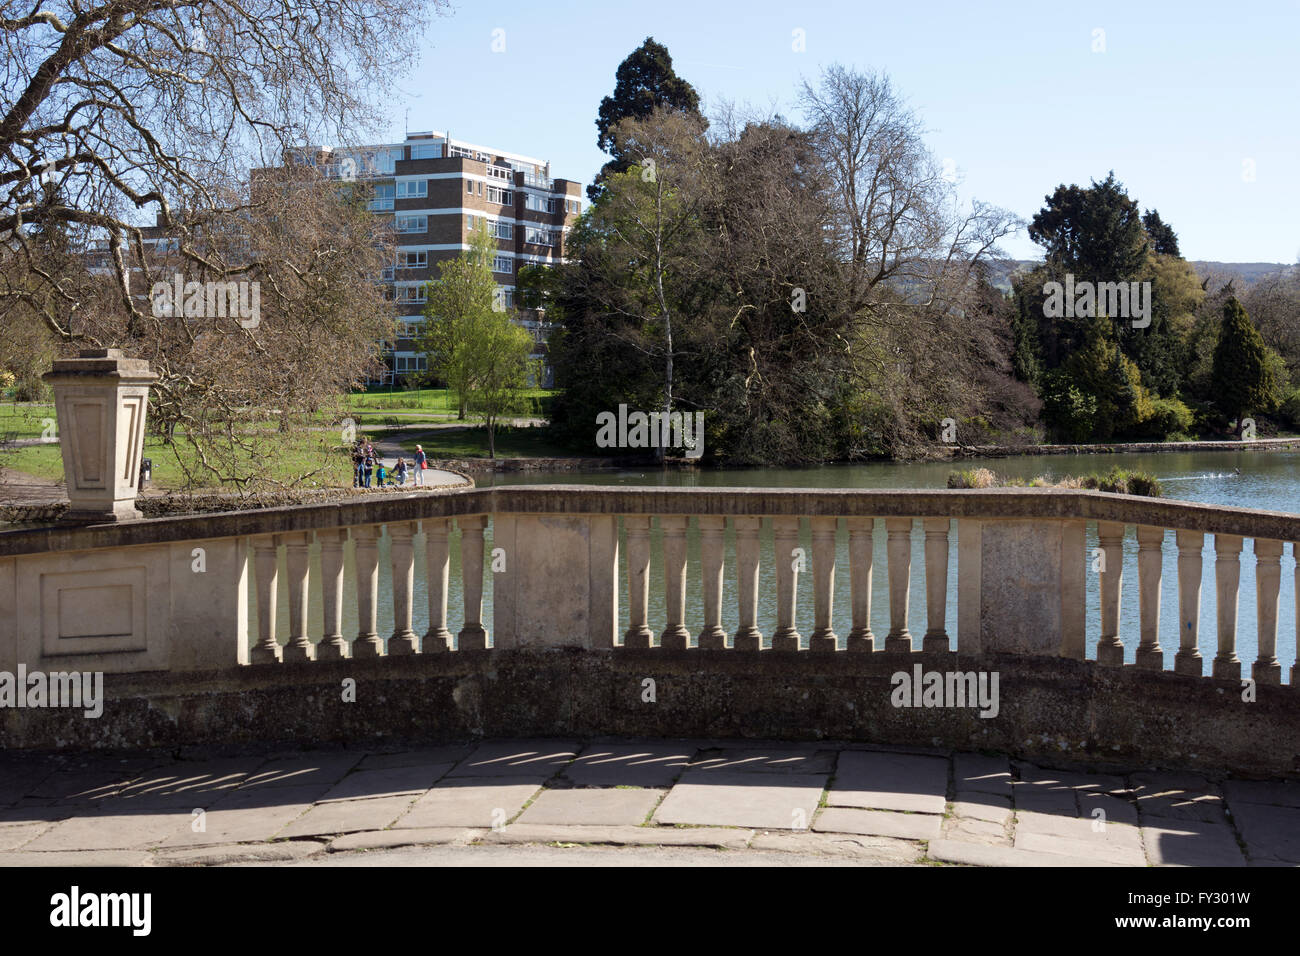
[{"x": 569, "y": 802}]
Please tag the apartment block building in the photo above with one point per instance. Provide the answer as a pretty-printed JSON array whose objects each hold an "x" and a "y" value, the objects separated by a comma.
[{"x": 436, "y": 189}]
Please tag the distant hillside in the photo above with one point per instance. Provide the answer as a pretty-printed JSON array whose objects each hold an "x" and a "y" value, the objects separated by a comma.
[{"x": 1245, "y": 274}]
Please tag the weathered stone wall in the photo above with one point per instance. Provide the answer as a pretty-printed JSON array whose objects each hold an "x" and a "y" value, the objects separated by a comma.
[{"x": 1050, "y": 709}]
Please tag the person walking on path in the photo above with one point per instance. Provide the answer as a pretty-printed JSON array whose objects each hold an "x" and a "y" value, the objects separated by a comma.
[
  {"x": 368, "y": 466},
  {"x": 421, "y": 463}
]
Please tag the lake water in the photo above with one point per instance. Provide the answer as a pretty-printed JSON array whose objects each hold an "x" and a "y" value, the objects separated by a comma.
[{"x": 1267, "y": 480}]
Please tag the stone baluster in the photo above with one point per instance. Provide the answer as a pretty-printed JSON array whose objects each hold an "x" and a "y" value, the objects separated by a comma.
[
  {"x": 860, "y": 556},
  {"x": 438, "y": 571},
  {"x": 823, "y": 556},
  {"x": 936, "y": 584},
  {"x": 1188, "y": 658},
  {"x": 473, "y": 636},
  {"x": 365, "y": 538},
  {"x": 402, "y": 559},
  {"x": 1150, "y": 656},
  {"x": 1268, "y": 583},
  {"x": 675, "y": 636},
  {"x": 899, "y": 549},
  {"x": 748, "y": 637},
  {"x": 266, "y": 651},
  {"x": 1295, "y": 668},
  {"x": 786, "y": 538},
  {"x": 638, "y": 581},
  {"x": 332, "y": 646},
  {"x": 712, "y": 533},
  {"x": 1227, "y": 578},
  {"x": 298, "y": 569},
  {"x": 1110, "y": 535}
]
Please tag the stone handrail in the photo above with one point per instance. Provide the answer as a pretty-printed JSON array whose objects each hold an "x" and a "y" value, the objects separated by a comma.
[{"x": 131, "y": 597}]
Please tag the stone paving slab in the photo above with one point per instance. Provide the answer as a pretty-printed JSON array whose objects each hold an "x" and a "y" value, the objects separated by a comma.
[
  {"x": 726, "y": 838},
  {"x": 592, "y": 807},
  {"x": 975, "y": 854},
  {"x": 416, "y": 758},
  {"x": 1033, "y": 800},
  {"x": 17, "y": 781},
  {"x": 970, "y": 830},
  {"x": 907, "y": 826},
  {"x": 1078, "y": 828},
  {"x": 977, "y": 772},
  {"x": 111, "y": 830},
  {"x": 347, "y": 816},
  {"x": 765, "y": 760},
  {"x": 1097, "y": 850},
  {"x": 1272, "y": 792},
  {"x": 386, "y": 839},
  {"x": 1150, "y": 783},
  {"x": 1270, "y": 832},
  {"x": 866, "y": 850},
  {"x": 1204, "y": 807},
  {"x": 389, "y": 782},
  {"x": 982, "y": 806},
  {"x": 248, "y": 816},
  {"x": 523, "y": 758},
  {"x": 471, "y": 802},
  {"x": 1046, "y": 778},
  {"x": 1187, "y": 843},
  {"x": 13, "y": 837},
  {"x": 301, "y": 771},
  {"x": 609, "y": 765},
  {"x": 70, "y": 858},
  {"x": 225, "y": 854},
  {"x": 888, "y": 781},
  {"x": 186, "y": 779},
  {"x": 1113, "y": 809},
  {"x": 79, "y": 787},
  {"x": 769, "y": 801}
]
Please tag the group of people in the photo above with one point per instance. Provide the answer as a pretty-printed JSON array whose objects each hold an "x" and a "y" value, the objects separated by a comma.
[{"x": 368, "y": 467}]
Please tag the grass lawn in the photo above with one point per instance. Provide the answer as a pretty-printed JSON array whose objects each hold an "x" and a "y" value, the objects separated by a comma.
[
  {"x": 472, "y": 443},
  {"x": 435, "y": 402},
  {"x": 25, "y": 421},
  {"x": 289, "y": 458}
]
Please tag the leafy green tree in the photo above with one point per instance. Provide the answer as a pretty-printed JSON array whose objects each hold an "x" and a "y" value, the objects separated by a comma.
[
  {"x": 1094, "y": 233},
  {"x": 501, "y": 350},
  {"x": 457, "y": 304},
  {"x": 643, "y": 82},
  {"x": 1243, "y": 378},
  {"x": 1163, "y": 238}
]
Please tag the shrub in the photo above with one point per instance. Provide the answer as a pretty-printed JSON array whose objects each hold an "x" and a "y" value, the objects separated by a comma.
[
  {"x": 1168, "y": 417},
  {"x": 972, "y": 478}
]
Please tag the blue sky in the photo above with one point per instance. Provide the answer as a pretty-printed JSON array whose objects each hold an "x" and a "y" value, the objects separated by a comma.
[{"x": 1187, "y": 103}]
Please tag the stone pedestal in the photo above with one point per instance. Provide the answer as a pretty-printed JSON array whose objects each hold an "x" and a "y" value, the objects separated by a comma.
[{"x": 101, "y": 399}]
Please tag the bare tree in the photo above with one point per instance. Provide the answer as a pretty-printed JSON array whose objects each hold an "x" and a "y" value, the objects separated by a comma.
[{"x": 131, "y": 130}]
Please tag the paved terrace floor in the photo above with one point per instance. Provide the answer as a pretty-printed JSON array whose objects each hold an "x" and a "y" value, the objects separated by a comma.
[{"x": 570, "y": 802}]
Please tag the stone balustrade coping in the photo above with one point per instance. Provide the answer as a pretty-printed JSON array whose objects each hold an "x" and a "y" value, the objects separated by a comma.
[{"x": 991, "y": 504}]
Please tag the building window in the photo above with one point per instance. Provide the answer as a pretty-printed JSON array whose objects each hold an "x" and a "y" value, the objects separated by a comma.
[
  {"x": 412, "y": 260},
  {"x": 417, "y": 189},
  {"x": 503, "y": 264},
  {"x": 540, "y": 237},
  {"x": 427, "y": 151},
  {"x": 408, "y": 363},
  {"x": 412, "y": 223},
  {"x": 540, "y": 203},
  {"x": 480, "y": 189},
  {"x": 383, "y": 198},
  {"x": 573, "y": 205},
  {"x": 502, "y": 196},
  {"x": 501, "y": 230},
  {"x": 410, "y": 293},
  {"x": 469, "y": 186}
]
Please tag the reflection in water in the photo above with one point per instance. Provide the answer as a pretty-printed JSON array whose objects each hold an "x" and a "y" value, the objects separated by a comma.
[{"x": 1266, "y": 480}]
